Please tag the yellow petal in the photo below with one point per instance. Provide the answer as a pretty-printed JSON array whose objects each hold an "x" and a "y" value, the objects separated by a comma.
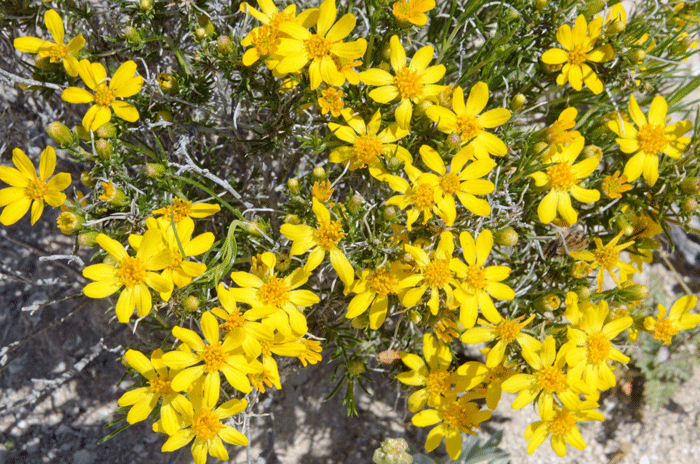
[
  {"x": 54, "y": 25},
  {"x": 28, "y": 44}
]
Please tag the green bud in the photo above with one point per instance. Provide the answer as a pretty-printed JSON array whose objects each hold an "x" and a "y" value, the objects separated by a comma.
[
  {"x": 634, "y": 292},
  {"x": 361, "y": 321},
  {"x": 164, "y": 115},
  {"x": 621, "y": 224},
  {"x": 155, "y": 170},
  {"x": 582, "y": 292},
  {"x": 104, "y": 149},
  {"x": 207, "y": 26},
  {"x": 61, "y": 134},
  {"x": 540, "y": 4},
  {"x": 354, "y": 204},
  {"x": 356, "y": 367},
  {"x": 293, "y": 186},
  {"x": 689, "y": 205},
  {"x": 592, "y": 151},
  {"x": 87, "y": 180},
  {"x": 200, "y": 33},
  {"x": 579, "y": 270},
  {"x": 319, "y": 173},
  {"x": 82, "y": 133},
  {"x": 393, "y": 163},
  {"x": 506, "y": 237},
  {"x": 167, "y": 83},
  {"x": 386, "y": 51},
  {"x": 517, "y": 102},
  {"x": 145, "y": 5},
  {"x": 292, "y": 219},
  {"x": 132, "y": 35},
  {"x": 615, "y": 28},
  {"x": 224, "y": 45},
  {"x": 690, "y": 185},
  {"x": 637, "y": 55},
  {"x": 106, "y": 131},
  {"x": 190, "y": 304},
  {"x": 88, "y": 238}
]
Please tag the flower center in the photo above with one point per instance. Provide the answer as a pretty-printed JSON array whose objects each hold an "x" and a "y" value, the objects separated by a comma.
[
  {"x": 322, "y": 192},
  {"x": 459, "y": 415},
  {"x": 382, "y": 281},
  {"x": 36, "y": 189},
  {"x": 651, "y": 139},
  {"x": 551, "y": 378},
  {"x": 438, "y": 382},
  {"x": 160, "y": 385},
  {"x": 68, "y": 222},
  {"x": 437, "y": 273},
  {"x": 213, "y": 357},
  {"x": 607, "y": 257},
  {"x": 367, "y": 149},
  {"x": 468, "y": 127},
  {"x": 329, "y": 234},
  {"x": 318, "y": 46},
  {"x": 177, "y": 259},
  {"x": 274, "y": 292},
  {"x": 475, "y": 279},
  {"x": 407, "y": 81},
  {"x": 664, "y": 330},
  {"x": 279, "y": 18},
  {"x": 57, "y": 53},
  {"x": 131, "y": 271},
  {"x": 557, "y": 132},
  {"x": 206, "y": 424},
  {"x": 561, "y": 177},
  {"x": 423, "y": 197},
  {"x": 265, "y": 40},
  {"x": 507, "y": 330},
  {"x": 612, "y": 185},
  {"x": 180, "y": 209},
  {"x": 450, "y": 183},
  {"x": 266, "y": 347},
  {"x": 562, "y": 423},
  {"x": 103, "y": 96},
  {"x": 598, "y": 347},
  {"x": 402, "y": 9},
  {"x": 577, "y": 56},
  {"x": 235, "y": 319}
]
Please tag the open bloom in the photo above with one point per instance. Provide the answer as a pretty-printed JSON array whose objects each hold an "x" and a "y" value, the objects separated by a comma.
[
  {"x": 373, "y": 290},
  {"x": 468, "y": 121},
  {"x": 181, "y": 209},
  {"x": 203, "y": 423},
  {"x": 591, "y": 348},
  {"x": 58, "y": 51},
  {"x": 322, "y": 49},
  {"x": 324, "y": 238},
  {"x": 412, "y": 11},
  {"x": 607, "y": 257},
  {"x": 665, "y": 327},
  {"x": 27, "y": 189},
  {"x": 562, "y": 179},
  {"x": 411, "y": 83},
  {"x": 144, "y": 399},
  {"x": 506, "y": 332},
  {"x": 479, "y": 283},
  {"x": 122, "y": 85},
  {"x": 133, "y": 272},
  {"x": 579, "y": 47},
  {"x": 649, "y": 139}
]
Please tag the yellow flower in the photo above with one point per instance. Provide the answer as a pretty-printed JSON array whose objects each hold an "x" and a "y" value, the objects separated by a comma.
[
  {"x": 579, "y": 46},
  {"x": 323, "y": 239},
  {"x": 27, "y": 189},
  {"x": 562, "y": 179},
  {"x": 112, "y": 195},
  {"x": 435, "y": 272},
  {"x": 435, "y": 377},
  {"x": 411, "y": 83},
  {"x": 122, "y": 85},
  {"x": 463, "y": 181},
  {"x": 614, "y": 186},
  {"x": 331, "y": 100},
  {"x": 479, "y": 283},
  {"x": 665, "y": 327},
  {"x": 302, "y": 46},
  {"x": 275, "y": 298},
  {"x": 560, "y": 424},
  {"x": 144, "y": 399},
  {"x": 491, "y": 385},
  {"x": 71, "y": 218},
  {"x": 547, "y": 379},
  {"x": 369, "y": 146},
  {"x": 455, "y": 416},
  {"x": 214, "y": 357},
  {"x": 57, "y": 51},
  {"x": 203, "y": 423},
  {"x": 180, "y": 271},
  {"x": 558, "y": 134},
  {"x": 239, "y": 325},
  {"x": 373, "y": 290},
  {"x": 506, "y": 332},
  {"x": 181, "y": 209},
  {"x": 649, "y": 139},
  {"x": 607, "y": 257},
  {"x": 322, "y": 191},
  {"x": 312, "y": 355},
  {"x": 412, "y": 11},
  {"x": 133, "y": 272},
  {"x": 591, "y": 348},
  {"x": 468, "y": 122},
  {"x": 421, "y": 193},
  {"x": 281, "y": 345}
]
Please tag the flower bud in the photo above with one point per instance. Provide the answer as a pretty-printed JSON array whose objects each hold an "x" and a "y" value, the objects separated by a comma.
[
  {"x": 200, "y": 33},
  {"x": 292, "y": 219},
  {"x": 453, "y": 141},
  {"x": 87, "y": 180},
  {"x": 293, "y": 186},
  {"x": 145, "y": 5},
  {"x": 689, "y": 205},
  {"x": 389, "y": 213},
  {"x": 384, "y": 66},
  {"x": 637, "y": 55},
  {"x": 621, "y": 224},
  {"x": 88, "y": 238},
  {"x": 517, "y": 102},
  {"x": 356, "y": 367},
  {"x": 540, "y": 4},
  {"x": 421, "y": 107},
  {"x": 224, "y": 45},
  {"x": 614, "y": 28},
  {"x": 592, "y": 151},
  {"x": 361, "y": 321},
  {"x": 132, "y": 35},
  {"x": 190, "y": 304},
  {"x": 691, "y": 185},
  {"x": 386, "y": 51},
  {"x": 319, "y": 173},
  {"x": 113, "y": 195},
  {"x": 61, "y": 134},
  {"x": 167, "y": 83},
  {"x": 393, "y": 163},
  {"x": 582, "y": 292},
  {"x": 355, "y": 203},
  {"x": 548, "y": 302},
  {"x": 164, "y": 115},
  {"x": 104, "y": 149},
  {"x": 69, "y": 222},
  {"x": 579, "y": 270},
  {"x": 634, "y": 292},
  {"x": 155, "y": 170},
  {"x": 206, "y": 24},
  {"x": 110, "y": 261},
  {"x": 106, "y": 131},
  {"x": 506, "y": 237},
  {"x": 282, "y": 263}
]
